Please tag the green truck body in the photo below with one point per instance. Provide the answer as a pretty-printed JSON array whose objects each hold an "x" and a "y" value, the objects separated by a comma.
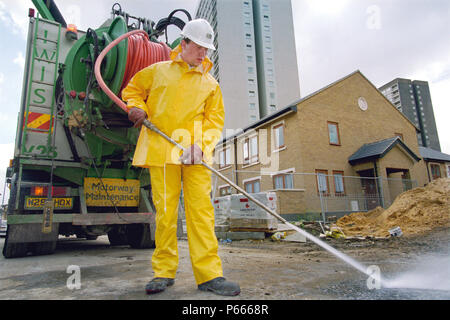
[{"x": 72, "y": 173}]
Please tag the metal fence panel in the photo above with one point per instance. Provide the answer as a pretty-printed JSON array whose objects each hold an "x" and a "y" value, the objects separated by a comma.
[{"x": 316, "y": 196}]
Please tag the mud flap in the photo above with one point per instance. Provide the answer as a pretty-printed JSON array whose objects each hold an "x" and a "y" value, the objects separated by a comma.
[{"x": 23, "y": 238}]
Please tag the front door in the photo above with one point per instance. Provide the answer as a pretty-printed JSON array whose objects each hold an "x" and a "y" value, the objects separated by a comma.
[{"x": 370, "y": 190}]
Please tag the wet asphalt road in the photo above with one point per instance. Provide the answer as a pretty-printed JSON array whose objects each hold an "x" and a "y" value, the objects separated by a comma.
[{"x": 265, "y": 270}]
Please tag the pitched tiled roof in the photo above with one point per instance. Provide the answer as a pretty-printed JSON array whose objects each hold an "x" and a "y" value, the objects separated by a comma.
[
  {"x": 378, "y": 149},
  {"x": 431, "y": 154}
]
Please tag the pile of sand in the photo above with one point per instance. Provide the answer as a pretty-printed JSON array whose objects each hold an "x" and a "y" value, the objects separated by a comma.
[{"x": 415, "y": 211}]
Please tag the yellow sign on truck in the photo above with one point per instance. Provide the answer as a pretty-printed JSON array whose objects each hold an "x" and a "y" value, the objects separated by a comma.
[{"x": 104, "y": 192}]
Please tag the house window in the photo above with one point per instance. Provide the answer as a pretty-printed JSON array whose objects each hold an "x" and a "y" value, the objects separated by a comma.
[
  {"x": 224, "y": 191},
  {"x": 251, "y": 150},
  {"x": 278, "y": 133},
  {"x": 224, "y": 158},
  {"x": 339, "y": 187},
  {"x": 435, "y": 171},
  {"x": 283, "y": 181},
  {"x": 323, "y": 186},
  {"x": 333, "y": 133},
  {"x": 252, "y": 186}
]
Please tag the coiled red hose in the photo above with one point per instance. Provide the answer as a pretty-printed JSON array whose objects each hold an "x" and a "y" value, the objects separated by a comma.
[{"x": 141, "y": 53}]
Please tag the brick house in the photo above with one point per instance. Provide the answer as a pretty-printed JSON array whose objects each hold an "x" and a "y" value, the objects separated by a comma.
[
  {"x": 437, "y": 163},
  {"x": 312, "y": 149}
]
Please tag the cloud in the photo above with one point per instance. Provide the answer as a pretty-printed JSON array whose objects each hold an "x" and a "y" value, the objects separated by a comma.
[
  {"x": 19, "y": 60},
  {"x": 14, "y": 15},
  {"x": 6, "y": 153},
  {"x": 2, "y": 80},
  {"x": 327, "y": 7},
  {"x": 384, "y": 39}
]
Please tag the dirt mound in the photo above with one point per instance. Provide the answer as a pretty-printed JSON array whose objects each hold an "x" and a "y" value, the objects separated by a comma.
[{"x": 415, "y": 211}]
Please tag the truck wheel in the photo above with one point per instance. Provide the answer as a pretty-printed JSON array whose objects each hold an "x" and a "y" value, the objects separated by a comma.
[
  {"x": 118, "y": 236},
  {"x": 42, "y": 248},
  {"x": 139, "y": 236}
]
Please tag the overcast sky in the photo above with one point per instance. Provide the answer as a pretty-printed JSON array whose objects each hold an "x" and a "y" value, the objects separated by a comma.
[{"x": 384, "y": 39}]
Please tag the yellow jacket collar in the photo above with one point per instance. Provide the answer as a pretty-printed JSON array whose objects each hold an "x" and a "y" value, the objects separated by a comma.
[{"x": 204, "y": 67}]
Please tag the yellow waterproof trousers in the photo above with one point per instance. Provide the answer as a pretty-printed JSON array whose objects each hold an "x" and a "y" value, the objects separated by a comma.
[{"x": 203, "y": 246}]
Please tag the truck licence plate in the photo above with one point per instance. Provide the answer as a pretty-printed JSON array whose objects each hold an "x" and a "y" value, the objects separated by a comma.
[{"x": 36, "y": 203}]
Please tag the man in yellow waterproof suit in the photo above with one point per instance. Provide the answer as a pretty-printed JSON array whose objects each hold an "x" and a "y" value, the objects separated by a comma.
[{"x": 185, "y": 102}]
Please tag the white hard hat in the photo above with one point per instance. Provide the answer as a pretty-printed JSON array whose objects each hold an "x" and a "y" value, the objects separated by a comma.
[{"x": 201, "y": 32}]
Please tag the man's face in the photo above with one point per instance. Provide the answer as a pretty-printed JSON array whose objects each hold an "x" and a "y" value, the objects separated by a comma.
[{"x": 192, "y": 53}]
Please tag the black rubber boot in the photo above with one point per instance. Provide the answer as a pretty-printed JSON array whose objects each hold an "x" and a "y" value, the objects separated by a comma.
[
  {"x": 221, "y": 287},
  {"x": 158, "y": 285}
]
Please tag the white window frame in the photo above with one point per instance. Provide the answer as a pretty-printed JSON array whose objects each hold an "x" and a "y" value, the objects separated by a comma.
[
  {"x": 252, "y": 180},
  {"x": 252, "y": 158},
  {"x": 274, "y": 143},
  {"x": 219, "y": 188},
  {"x": 283, "y": 177},
  {"x": 227, "y": 161}
]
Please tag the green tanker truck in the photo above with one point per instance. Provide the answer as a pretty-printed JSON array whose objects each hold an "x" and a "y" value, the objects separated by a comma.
[{"x": 72, "y": 173}]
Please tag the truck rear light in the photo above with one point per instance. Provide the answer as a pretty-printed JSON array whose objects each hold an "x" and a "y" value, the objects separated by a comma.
[
  {"x": 60, "y": 191},
  {"x": 72, "y": 32},
  {"x": 31, "y": 12},
  {"x": 72, "y": 28},
  {"x": 38, "y": 191},
  {"x": 42, "y": 191}
]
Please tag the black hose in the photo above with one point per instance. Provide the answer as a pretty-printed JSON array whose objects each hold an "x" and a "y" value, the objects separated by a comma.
[{"x": 165, "y": 22}]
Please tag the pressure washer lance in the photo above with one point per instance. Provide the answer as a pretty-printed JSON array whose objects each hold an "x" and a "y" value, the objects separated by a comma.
[
  {"x": 152, "y": 127},
  {"x": 309, "y": 236}
]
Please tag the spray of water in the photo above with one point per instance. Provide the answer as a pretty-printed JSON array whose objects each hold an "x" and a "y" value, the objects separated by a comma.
[
  {"x": 358, "y": 266},
  {"x": 430, "y": 272}
]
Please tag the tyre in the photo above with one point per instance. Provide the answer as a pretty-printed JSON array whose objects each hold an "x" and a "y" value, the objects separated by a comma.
[
  {"x": 139, "y": 236},
  {"x": 118, "y": 236}
]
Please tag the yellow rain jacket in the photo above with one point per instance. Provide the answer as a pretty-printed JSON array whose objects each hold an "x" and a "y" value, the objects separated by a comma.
[{"x": 185, "y": 103}]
